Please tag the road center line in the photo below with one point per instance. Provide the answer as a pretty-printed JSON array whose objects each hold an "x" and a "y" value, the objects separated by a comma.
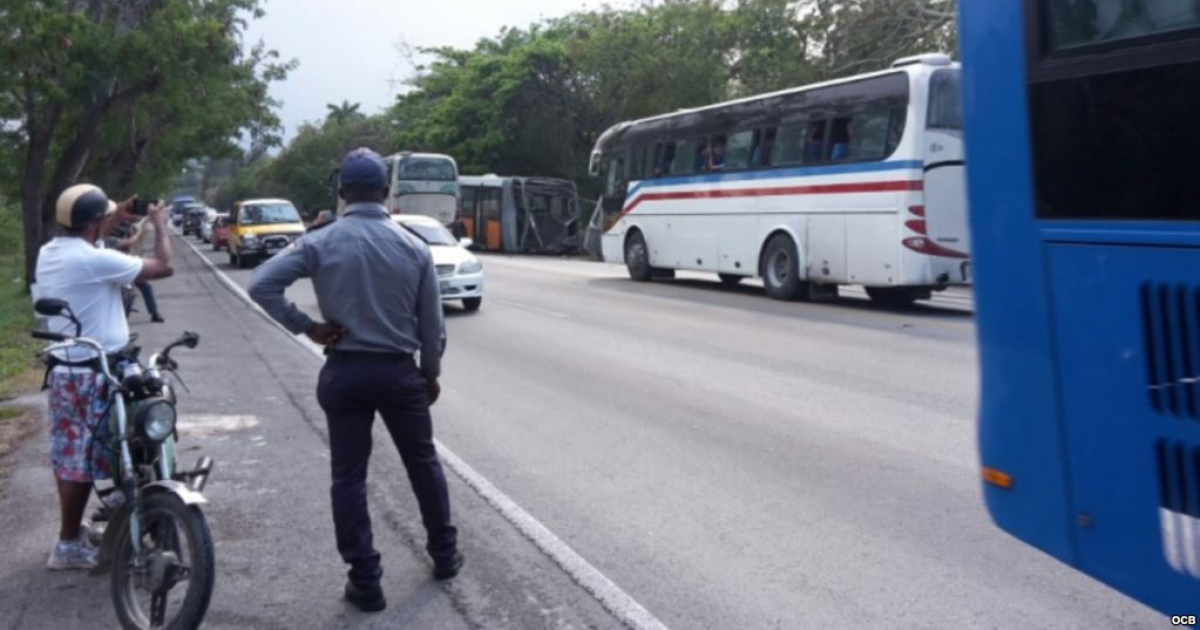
[{"x": 622, "y": 605}]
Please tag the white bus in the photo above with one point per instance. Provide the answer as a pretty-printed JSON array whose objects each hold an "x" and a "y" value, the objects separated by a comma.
[
  {"x": 855, "y": 181},
  {"x": 424, "y": 184}
]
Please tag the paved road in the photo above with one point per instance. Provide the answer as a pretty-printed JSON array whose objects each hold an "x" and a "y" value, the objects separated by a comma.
[
  {"x": 252, "y": 408},
  {"x": 736, "y": 462}
]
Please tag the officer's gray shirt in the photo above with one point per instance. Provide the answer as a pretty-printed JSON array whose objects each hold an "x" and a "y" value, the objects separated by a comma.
[{"x": 371, "y": 276}]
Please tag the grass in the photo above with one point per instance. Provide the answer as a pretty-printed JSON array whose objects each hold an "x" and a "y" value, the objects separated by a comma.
[{"x": 17, "y": 348}]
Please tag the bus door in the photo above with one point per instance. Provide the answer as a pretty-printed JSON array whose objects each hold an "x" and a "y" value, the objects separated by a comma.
[
  {"x": 487, "y": 224},
  {"x": 945, "y": 179},
  {"x": 466, "y": 210}
]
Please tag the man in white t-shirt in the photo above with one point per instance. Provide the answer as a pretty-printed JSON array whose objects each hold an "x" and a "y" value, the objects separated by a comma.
[{"x": 71, "y": 267}]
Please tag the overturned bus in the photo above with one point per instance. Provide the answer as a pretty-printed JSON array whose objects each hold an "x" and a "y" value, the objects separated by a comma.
[{"x": 529, "y": 215}]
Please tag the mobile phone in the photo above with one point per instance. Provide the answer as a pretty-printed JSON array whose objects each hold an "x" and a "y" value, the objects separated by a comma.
[{"x": 141, "y": 207}]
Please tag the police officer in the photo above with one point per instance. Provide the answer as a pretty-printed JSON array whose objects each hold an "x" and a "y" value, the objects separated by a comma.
[{"x": 377, "y": 291}]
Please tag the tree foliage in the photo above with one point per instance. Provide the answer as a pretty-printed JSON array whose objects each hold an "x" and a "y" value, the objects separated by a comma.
[
  {"x": 532, "y": 101},
  {"x": 122, "y": 93}
]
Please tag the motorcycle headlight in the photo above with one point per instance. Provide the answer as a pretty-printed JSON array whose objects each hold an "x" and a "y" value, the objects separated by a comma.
[
  {"x": 156, "y": 419},
  {"x": 471, "y": 266}
]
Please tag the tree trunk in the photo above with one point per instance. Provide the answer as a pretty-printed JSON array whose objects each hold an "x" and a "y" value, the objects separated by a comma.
[{"x": 31, "y": 189}]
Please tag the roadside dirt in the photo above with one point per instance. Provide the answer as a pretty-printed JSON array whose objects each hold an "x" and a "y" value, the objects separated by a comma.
[{"x": 21, "y": 412}]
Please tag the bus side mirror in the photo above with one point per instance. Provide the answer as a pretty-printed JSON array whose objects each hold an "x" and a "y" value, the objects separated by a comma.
[{"x": 594, "y": 164}]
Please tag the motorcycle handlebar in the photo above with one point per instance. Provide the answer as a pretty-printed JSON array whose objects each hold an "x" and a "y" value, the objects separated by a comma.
[{"x": 48, "y": 336}]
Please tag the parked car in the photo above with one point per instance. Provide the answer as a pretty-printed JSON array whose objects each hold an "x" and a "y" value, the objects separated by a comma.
[
  {"x": 261, "y": 228},
  {"x": 460, "y": 274},
  {"x": 206, "y": 224},
  {"x": 220, "y": 232}
]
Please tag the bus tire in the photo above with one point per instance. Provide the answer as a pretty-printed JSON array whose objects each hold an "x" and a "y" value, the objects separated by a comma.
[
  {"x": 781, "y": 269},
  {"x": 637, "y": 258},
  {"x": 730, "y": 279}
]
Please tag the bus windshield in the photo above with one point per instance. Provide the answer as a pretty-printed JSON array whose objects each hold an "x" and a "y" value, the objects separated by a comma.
[
  {"x": 427, "y": 169},
  {"x": 267, "y": 214}
]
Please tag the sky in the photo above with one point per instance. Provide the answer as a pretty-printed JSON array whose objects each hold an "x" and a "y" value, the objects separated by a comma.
[{"x": 350, "y": 49}]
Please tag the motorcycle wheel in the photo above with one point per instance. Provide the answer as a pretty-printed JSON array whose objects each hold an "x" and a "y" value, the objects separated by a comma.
[{"x": 179, "y": 553}]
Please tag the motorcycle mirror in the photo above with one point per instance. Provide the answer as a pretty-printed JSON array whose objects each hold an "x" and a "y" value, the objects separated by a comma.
[
  {"x": 190, "y": 339},
  {"x": 50, "y": 307}
]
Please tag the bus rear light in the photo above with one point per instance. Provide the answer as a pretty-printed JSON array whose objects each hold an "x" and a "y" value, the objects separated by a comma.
[
  {"x": 916, "y": 225},
  {"x": 997, "y": 478},
  {"x": 917, "y": 210},
  {"x": 923, "y": 245}
]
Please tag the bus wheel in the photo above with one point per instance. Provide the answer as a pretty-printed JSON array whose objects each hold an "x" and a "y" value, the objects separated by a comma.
[
  {"x": 781, "y": 269},
  {"x": 730, "y": 279},
  {"x": 637, "y": 258},
  {"x": 893, "y": 296}
]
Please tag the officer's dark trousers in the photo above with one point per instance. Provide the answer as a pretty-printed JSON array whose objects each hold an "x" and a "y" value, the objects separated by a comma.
[
  {"x": 148, "y": 296},
  {"x": 352, "y": 388}
]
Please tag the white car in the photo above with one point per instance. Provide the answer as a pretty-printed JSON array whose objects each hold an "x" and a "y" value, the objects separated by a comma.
[
  {"x": 206, "y": 224},
  {"x": 460, "y": 274}
]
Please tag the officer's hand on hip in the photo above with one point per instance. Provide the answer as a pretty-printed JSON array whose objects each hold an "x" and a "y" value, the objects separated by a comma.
[
  {"x": 432, "y": 390},
  {"x": 325, "y": 334}
]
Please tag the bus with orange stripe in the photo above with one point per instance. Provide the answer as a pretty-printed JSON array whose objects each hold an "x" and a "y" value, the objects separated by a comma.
[{"x": 858, "y": 181}]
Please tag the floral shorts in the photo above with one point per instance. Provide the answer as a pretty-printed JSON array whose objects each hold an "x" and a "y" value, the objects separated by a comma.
[{"x": 80, "y": 439}]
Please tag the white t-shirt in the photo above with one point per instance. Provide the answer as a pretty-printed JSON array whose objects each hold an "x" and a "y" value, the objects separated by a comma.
[{"x": 90, "y": 280}]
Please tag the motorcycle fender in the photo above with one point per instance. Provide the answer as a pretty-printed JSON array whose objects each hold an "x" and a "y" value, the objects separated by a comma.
[{"x": 177, "y": 488}]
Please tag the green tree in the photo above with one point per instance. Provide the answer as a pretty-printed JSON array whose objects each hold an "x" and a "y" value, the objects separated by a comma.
[
  {"x": 342, "y": 113},
  {"x": 123, "y": 92}
]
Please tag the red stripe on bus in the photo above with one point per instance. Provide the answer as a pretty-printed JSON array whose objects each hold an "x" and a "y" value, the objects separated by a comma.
[{"x": 819, "y": 189}]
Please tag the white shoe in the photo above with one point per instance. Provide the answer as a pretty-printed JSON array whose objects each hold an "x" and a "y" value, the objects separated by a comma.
[
  {"x": 72, "y": 555},
  {"x": 91, "y": 534}
]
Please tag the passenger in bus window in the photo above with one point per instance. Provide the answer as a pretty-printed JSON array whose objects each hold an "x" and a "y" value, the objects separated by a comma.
[
  {"x": 839, "y": 139},
  {"x": 716, "y": 154},
  {"x": 815, "y": 142}
]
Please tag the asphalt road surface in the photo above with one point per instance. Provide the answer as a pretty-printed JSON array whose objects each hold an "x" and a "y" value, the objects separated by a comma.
[{"x": 730, "y": 461}]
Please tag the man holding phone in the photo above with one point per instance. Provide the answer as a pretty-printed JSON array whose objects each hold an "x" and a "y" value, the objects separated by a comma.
[{"x": 71, "y": 267}]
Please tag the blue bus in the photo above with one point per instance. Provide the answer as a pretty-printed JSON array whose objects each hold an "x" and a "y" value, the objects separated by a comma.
[{"x": 1082, "y": 127}]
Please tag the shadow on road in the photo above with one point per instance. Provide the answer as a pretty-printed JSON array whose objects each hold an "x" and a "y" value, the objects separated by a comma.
[{"x": 752, "y": 298}]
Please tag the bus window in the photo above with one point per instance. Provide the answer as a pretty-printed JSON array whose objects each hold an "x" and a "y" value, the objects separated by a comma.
[
  {"x": 790, "y": 147},
  {"x": 945, "y": 101},
  {"x": 664, "y": 155},
  {"x": 861, "y": 137},
  {"x": 800, "y": 143},
  {"x": 427, "y": 169},
  {"x": 839, "y": 139},
  {"x": 616, "y": 175},
  {"x": 636, "y": 165},
  {"x": 1134, "y": 155},
  {"x": 869, "y": 136},
  {"x": 737, "y": 149},
  {"x": 1075, "y": 23},
  {"x": 761, "y": 155},
  {"x": 685, "y": 156},
  {"x": 466, "y": 205}
]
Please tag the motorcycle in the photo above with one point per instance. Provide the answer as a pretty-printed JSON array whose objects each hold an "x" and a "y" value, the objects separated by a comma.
[{"x": 157, "y": 538}]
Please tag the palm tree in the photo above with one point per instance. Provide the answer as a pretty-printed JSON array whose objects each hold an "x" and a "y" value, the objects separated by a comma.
[{"x": 344, "y": 112}]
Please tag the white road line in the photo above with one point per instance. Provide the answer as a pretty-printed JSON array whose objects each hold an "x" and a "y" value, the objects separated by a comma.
[{"x": 622, "y": 605}]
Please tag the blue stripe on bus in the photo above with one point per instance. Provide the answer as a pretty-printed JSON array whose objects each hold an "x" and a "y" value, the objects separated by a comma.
[{"x": 780, "y": 173}]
